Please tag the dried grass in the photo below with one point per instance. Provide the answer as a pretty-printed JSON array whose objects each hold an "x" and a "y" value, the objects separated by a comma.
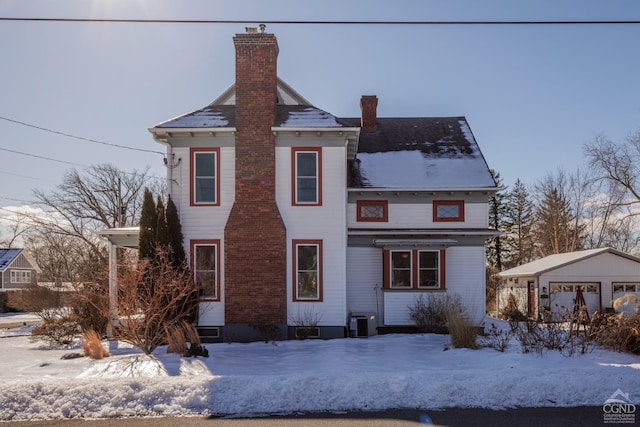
[{"x": 92, "y": 345}]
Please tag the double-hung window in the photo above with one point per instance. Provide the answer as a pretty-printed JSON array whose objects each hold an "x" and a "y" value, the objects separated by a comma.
[
  {"x": 414, "y": 269},
  {"x": 306, "y": 176},
  {"x": 20, "y": 276},
  {"x": 205, "y": 176},
  {"x": 205, "y": 256},
  {"x": 307, "y": 270}
]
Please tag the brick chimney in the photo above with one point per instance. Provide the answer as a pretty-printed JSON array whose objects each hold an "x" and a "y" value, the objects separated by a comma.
[
  {"x": 368, "y": 106},
  {"x": 255, "y": 235}
]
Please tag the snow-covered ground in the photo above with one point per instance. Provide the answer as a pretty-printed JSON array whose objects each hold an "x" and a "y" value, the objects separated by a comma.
[{"x": 375, "y": 373}]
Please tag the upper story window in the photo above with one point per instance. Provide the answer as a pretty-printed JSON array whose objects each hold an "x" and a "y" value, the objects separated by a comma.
[
  {"x": 307, "y": 176},
  {"x": 448, "y": 210},
  {"x": 205, "y": 258},
  {"x": 372, "y": 210},
  {"x": 307, "y": 275},
  {"x": 414, "y": 269},
  {"x": 205, "y": 176}
]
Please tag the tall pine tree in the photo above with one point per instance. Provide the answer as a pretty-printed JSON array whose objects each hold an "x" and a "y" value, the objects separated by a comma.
[
  {"x": 148, "y": 224},
  {"x": 174, "y": 234},
  {"x": 519, "y": 218}
]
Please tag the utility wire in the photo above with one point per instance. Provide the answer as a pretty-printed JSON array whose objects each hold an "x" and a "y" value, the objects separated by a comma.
[
  {"x": 79, "y": 137},
  {"x": 17, "y": 200},
  {"x": 315, "y": 22},
  {"x": 19, "y": 175},
  {"x": 45, "y": 158}
]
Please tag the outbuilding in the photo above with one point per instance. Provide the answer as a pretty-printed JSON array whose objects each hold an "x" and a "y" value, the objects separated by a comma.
[{"x": 556, "y": 282}]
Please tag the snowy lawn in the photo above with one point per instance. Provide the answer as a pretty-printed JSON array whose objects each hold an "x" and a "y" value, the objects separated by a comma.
[{"x": 375, "y": 373}]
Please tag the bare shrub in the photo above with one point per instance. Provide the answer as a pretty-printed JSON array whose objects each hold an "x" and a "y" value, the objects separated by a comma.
[
  {"x": 306, "y": 320},
  {"x": 92, "y": 345},
  {"x": 152, "y": 298},
  {"x": 620, "y": 332},
  {"x": 57, "y": 331},
  {"x": 89, "y": 303},
  {"x": 497, "y": 339},
  {"x": 463, "y": 332},
  {"x": 430, "y": 314},
  {"x": 183, "y": 339},
  {"x": 176, "y": 341}
]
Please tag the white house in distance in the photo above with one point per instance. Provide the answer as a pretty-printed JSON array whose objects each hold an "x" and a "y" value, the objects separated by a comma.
[
  {"x": 552, "y": 282},
  {"x": 290, "y": 213}
]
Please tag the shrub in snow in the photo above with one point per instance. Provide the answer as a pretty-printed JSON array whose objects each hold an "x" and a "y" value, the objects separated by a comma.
[
  {"x": 57, "y": 331},
  {"x": 511, "y": 311},
  {"x": 183, "y": 339},
  {"x": 306, "y": 321},
  {"x": 619, "y": 332},
  {"x": 463, "y": 332},
  {"x": 430, "y": 313},
  {"x": 497, "y": 338},
  {"x": 92, "y": 345}
]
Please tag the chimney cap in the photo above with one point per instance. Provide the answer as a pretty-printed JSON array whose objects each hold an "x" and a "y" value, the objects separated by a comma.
[{"x": 250, "y": 30}]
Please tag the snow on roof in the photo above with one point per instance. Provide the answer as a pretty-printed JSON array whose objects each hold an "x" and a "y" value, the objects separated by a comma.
[
  {"x": 415, "y": 170},
  {"x": 7, "y": 256},
  {"x": 308, "y": 116},
  {"x": 204, "y": 118},
  {"x": 552, "y": 262}
]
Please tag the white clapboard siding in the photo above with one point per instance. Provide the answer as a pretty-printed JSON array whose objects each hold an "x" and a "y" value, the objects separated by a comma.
[
  {"x": 364, "y": 280},
  {"x": 211, "y": 314},
  {"x": 326, "y": 223},
  {"x": 403, "y": 215},
  {"x": 464, "y": 276}
]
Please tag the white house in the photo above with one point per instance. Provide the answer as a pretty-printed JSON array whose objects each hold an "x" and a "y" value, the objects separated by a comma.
[
  {"x": 602, "y": 275},
  {"x": 291, "y": 214}
]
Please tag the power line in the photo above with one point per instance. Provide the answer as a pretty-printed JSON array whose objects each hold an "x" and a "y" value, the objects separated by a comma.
[
  {"x": 18, "y": 200},
  {"x": 314, "y": 22},
  {"x": 19, "y": 175},
  {"x": 43, "y": 157},
  {"x": 79, "y": 137}
]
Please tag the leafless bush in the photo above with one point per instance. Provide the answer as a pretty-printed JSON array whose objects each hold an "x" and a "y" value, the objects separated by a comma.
[
  {"x": 430, "y": 314},
  {"x": 92, "y": 345},
  {"x": 183, "y": 339},
  {"x": 497, "y": 339},
  {"x": 152, "y": 298},
  {"x": 57, "y": 331},
  {"x": 306, "y": 320},
  {"x": 511, "y": 311},
  {"x": 89, "y": 303},
  {"x": 620, "y": 332}
]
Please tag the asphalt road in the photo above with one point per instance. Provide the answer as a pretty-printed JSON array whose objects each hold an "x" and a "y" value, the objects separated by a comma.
[{"x": 468, "y": 417}]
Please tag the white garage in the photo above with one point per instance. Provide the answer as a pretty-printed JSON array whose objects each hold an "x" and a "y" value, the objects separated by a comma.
[{"x": 594, "y": 278}]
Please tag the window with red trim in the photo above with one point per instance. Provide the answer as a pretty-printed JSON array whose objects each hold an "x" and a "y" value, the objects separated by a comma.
[
  {"x": 448, "y": 210},
  {"x": 306, "y": 179},
  {"x": 205, "y": 176},
  {"x": 205, "y": 259},
  {"x": 372, "y": 210},
  {"x": 307, "y": 270},
  {"x": 414, "y": 269}
]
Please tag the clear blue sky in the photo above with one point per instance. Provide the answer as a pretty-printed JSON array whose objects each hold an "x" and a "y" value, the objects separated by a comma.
[{"x": 533, "y": 95}]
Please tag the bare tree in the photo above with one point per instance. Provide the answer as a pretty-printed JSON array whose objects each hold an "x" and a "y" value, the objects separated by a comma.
[
  {"x": 16, "y": 226},
  {"x": 101, "y": 197}
]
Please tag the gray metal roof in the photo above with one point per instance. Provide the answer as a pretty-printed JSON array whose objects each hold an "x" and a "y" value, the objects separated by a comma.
[{"x": 7, "y": 256}]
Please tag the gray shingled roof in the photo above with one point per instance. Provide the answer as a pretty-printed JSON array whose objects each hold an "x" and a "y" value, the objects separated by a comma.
[{"x": 7, "y": 256}]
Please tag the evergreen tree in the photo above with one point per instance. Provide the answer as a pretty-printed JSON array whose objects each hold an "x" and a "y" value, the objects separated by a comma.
[
  {"x": 148, "y": 224},
  {"x": 495, "y": 245},
  {"x": 519, "y": 219},
  {"x": 161, "y": 225},
  {"x": 174, "y": 234}
]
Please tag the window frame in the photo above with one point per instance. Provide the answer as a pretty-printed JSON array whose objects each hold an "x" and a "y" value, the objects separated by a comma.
[
  {"x": 319, "y": 269},
  {"x": 20, "y": 276},
  {"x": 193, "y": 152},
  {"x": 415, "y": 270},
  {"x": 459, "y": 203},
  {"x": 194, "y": 244},
  {"x": 294, "y": 175},
  {"x": 364, "y": 203}
]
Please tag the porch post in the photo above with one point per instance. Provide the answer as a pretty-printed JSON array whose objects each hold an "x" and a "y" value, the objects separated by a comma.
[{"x": 113, "y": 289}]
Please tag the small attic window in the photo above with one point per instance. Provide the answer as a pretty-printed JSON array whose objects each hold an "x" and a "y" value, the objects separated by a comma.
[
  {"x": 448, "y": 210},
  {"x": 372, "y": 210}
]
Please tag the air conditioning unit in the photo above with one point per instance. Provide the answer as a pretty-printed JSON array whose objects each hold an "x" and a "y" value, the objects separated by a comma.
[{"x": 362, "y": 325}]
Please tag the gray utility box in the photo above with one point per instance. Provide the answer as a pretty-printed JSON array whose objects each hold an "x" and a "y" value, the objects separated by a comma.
[{"x": 362, "y": 325}]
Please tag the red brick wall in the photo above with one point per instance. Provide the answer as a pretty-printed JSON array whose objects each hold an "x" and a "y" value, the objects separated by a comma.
[
  {"x": 369, "y": 106},
  {"x": 255, "y": 235}
]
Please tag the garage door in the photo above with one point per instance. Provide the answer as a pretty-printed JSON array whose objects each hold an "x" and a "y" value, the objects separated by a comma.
[
  {"x": 562, "y": 297},
  {"x": 621, "y": 289}
]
